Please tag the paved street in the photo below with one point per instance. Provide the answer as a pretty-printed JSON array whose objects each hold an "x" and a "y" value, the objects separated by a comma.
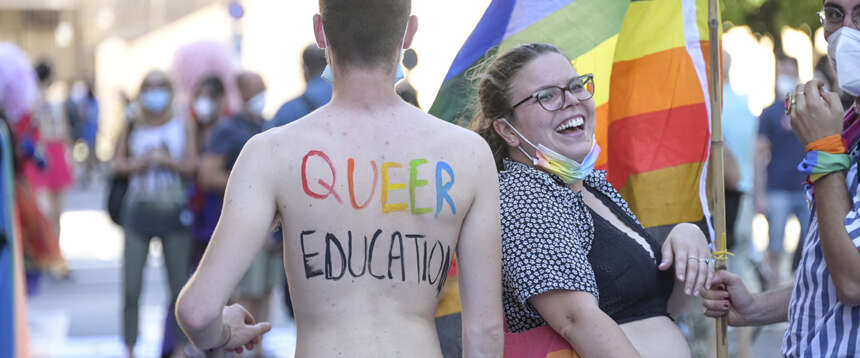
[{"x": 80, "y": 316}]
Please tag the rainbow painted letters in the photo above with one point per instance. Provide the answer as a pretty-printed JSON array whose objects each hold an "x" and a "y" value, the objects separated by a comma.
[{"x": 444, "y": 181}]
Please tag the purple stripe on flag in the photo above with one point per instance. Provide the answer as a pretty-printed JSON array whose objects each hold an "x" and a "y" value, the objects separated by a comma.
[{"x": 528, "y": 12}]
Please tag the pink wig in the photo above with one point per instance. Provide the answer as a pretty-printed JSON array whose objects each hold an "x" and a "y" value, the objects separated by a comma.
[
  {"x": 18, "y": 88},
  {"x": 195, "y": 61}
]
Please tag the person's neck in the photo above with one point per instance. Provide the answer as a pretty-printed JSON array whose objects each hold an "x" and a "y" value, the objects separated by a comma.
[{"x": 366, "y": 88}]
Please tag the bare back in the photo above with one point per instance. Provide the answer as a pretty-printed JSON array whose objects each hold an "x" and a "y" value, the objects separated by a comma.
[{"x": 373, "y": 206}]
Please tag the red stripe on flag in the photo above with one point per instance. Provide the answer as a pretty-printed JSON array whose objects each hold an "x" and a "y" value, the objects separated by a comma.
[{"x": 657, "y": 140}]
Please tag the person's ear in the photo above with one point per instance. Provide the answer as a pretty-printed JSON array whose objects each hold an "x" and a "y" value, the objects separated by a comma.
[
  {"x": 411, "y": 29},
  {"x": 504, "y": 130},
  {"x": 319, "y": 32}
]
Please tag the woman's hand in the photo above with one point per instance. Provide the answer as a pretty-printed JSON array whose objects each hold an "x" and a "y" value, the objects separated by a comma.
[
  {"x": 245, "y": 333},
  {"x": 816, "y": 113},
  {"x": 687, "y": 246}
]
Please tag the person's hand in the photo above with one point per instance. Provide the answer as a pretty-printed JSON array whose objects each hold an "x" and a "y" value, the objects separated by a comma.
[
  {"x": 728, "y": 295},
  {"x": 688, "y": 247},
  {"x": 816, "y": 113},
  {"x": 158, "y": 158},
  {"x": 245, "y": 332}
]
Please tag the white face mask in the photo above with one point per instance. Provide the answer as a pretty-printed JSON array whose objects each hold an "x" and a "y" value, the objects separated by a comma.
[
  {"x": 844, "y": 51},
  {"x": 257, "y": 103},
  {"x": 205, "y": 109}
]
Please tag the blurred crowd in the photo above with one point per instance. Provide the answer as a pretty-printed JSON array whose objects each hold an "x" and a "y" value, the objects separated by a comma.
[
  {"x": 181, "y": 134},
  {"x": 183, "y": 131}
]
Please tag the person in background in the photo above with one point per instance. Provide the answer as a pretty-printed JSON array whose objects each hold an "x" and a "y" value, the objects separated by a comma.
[
  {"x": 223, "y": 148},
  {"x": 740, "y": 128},
  {"x": 317, "y": 92},
  {"x": 206, "y": 108},
  {"x": 823, "y": 305},
  {"x": 50, "y": 183},
  {"x": 778, "y": 190},
  {"x": 157, "y": 152},
  {"x": 89, "y": 129}
]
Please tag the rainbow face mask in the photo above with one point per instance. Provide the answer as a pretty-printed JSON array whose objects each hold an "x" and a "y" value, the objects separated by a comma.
[{"x": 567, "y": 169}]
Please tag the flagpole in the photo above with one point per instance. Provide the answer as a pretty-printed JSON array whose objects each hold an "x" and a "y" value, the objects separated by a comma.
[{"x": 717, "y": 177}]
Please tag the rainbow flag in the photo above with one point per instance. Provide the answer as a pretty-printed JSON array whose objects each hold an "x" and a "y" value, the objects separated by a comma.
[
  {"x": 659, "y": 111},
  {"x": 649, "y": 60}
]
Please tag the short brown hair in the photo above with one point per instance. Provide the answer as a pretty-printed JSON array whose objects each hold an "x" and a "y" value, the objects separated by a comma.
[
  {"x": 494, "y": 100},
  {"x": 365, "y": 33}
]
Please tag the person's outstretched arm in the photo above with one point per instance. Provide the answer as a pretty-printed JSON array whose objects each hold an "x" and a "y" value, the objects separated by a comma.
[
  {"x": 729, "y": 296},
  {"x": 249, "y": 206},
  {"x": 479, "y": 255}
]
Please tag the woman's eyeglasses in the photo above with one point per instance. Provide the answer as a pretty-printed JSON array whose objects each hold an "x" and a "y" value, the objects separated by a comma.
[{"x": 552, "y": 98}]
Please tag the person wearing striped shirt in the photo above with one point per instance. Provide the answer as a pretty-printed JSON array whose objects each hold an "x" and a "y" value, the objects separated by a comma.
[{"x": 823, "y": 306}]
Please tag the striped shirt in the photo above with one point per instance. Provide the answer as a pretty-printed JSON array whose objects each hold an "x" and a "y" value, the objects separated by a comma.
[{"x": 818, "y": 324}]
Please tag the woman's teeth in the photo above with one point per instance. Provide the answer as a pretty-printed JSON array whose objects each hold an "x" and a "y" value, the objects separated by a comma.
[{"x": 574, "y": 123}]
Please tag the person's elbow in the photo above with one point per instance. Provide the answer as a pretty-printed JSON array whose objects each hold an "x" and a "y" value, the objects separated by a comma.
[
  {"x": 193, "y": 316},
  {"x": 848, "y": 292}
]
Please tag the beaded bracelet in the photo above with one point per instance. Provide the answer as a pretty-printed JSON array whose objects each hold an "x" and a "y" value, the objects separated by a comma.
[{"x": 817, "y": 164}]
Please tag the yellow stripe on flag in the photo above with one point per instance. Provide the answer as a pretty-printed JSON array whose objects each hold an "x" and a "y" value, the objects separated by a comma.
[
  {"x": 599, "y": 62},
  {"x": 647, "y": 194},
  {"x": 650, "y": 27}
]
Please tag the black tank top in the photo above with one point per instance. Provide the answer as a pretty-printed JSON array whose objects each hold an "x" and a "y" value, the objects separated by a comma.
[{"x": 630, "y": 285}]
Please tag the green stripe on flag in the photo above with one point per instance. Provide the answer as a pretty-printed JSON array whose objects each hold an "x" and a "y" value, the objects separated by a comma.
[
  {"x": 575, "y": 29},
  {"x": 456, "y": 96}
]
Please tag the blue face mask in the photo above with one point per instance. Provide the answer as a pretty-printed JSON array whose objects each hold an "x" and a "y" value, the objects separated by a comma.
[
  {"x": 155, "y": 100},
  {"x": 328, "y": 75}
]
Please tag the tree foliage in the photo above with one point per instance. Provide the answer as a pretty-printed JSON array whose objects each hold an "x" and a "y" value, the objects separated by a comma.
[{"x": 768, "y": 17}]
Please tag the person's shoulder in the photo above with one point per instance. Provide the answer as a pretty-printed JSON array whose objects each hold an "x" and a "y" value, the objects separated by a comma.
[{"x": 517, "y": 180}]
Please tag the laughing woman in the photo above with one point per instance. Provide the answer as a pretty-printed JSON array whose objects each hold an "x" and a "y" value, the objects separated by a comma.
[{"x": 580, "y": 274}]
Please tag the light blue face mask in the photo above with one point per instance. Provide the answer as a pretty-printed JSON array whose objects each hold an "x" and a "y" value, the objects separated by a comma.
[
  {"x": 328, "y": 75},
  {"x": 155, "y": 100}
]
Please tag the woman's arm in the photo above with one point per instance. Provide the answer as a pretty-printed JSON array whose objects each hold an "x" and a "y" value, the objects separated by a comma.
[
  {"x": 122, "y": 164},
  {"x": 576, "y": 316},
  {"x": 186, "y": 166}
]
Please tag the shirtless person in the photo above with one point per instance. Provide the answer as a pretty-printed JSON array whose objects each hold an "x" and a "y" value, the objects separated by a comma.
[{"x": 375, "y": 197}]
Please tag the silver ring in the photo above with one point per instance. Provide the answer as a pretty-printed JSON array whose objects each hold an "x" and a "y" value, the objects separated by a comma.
[{"x": 692, "y": 258}]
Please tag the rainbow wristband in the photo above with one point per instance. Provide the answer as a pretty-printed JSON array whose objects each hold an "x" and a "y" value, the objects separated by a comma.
[{"x": 817, "y": 164}]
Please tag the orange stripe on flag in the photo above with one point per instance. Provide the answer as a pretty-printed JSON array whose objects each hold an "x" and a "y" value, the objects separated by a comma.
[
  {"x": 601, "y": 131},
  {"x": 665, "y": 196},
  {"x": 657, "y": 140},
  {"x": 654, "y": 83}
]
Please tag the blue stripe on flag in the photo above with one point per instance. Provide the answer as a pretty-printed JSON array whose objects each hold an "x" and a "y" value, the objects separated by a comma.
[{"x": 488, "y": 34}]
